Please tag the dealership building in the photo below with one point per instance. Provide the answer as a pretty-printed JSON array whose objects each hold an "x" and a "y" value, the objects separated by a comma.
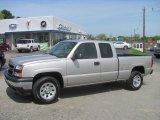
[{"x": 47, "y": 30}]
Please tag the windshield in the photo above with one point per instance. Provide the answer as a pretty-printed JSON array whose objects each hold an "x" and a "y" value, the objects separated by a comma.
[
  {"x": 62, "y": 49},
  {"x": 24, "y": 41}
]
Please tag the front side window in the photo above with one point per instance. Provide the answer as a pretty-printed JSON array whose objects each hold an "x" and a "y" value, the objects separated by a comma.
[
  {"x": 62, "y": 49},
  {"x": 106, "y": 50},
  {"x": 86, "y": 51}
]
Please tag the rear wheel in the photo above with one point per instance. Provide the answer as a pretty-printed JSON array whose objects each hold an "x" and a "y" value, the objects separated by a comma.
[
  {"x": 135, "y": 80},
  {"x": 46, "y": 90},
  {"x": 38, "y": 49}
]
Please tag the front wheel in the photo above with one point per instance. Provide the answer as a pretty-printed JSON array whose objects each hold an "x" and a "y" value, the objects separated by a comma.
[
  {"x": 125, "y": 47},
  {"x": 135, "y": 80},
  {"x": 31, "y": 49},
  {"x": 46, "y": 90}
]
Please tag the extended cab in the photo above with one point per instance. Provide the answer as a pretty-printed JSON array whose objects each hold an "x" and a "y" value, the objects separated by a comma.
[{"x": 74, "y": 63}]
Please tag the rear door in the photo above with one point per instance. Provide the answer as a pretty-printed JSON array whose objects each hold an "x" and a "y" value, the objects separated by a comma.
[
  {"x": 109, "y": 63},
  {"x": 86, "y": 68}
]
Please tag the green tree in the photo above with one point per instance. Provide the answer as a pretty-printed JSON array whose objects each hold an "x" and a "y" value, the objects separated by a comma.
[
  {"x": 101, "y": 36},
  {"x": 156, "y": 37},
  {"x": 7, "y": 14},
  {"x": 1, "y": 15},
  {"x": 90, "y": 37}
]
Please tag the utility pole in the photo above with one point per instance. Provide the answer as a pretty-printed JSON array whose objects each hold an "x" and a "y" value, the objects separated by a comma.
[
  {"x": 144, "y": 36},
  {"x": 134, "y": 34}
]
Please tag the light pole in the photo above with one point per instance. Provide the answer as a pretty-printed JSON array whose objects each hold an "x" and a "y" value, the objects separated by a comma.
[{"x": 144, "y": 36}]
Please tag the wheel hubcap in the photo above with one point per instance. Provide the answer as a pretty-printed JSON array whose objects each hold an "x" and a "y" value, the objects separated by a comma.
[
  {"x": 136, "y": 81},
  {"x": 48, "y": 91}
]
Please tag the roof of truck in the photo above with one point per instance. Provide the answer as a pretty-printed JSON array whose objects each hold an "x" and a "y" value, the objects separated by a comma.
[{"x": 83, "y": 41}]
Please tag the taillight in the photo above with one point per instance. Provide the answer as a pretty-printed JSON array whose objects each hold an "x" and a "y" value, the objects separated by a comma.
[{"x": 152, "y": 62}]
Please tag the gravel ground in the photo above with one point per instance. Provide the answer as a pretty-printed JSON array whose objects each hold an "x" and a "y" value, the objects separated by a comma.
[{"x": 109, "y": 101}]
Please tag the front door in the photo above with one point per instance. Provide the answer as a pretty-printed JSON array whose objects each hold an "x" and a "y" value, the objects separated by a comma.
[{"x": 85, "y": 69}]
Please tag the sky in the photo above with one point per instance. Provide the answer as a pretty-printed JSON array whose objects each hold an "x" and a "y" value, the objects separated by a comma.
[{"x": 111, "y": 17}]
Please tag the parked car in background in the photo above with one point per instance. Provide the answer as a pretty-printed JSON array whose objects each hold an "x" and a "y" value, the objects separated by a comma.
[
  {"x": 2, "y": 59},
  {"x": 4, "y": 47},
  {"x": 157, "y": 50},
  {"x": 122, "y": 45},
  {"x": 27, "y": 44}
]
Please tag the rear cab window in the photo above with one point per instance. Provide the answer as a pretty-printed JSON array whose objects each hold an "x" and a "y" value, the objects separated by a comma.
[
  {"x": 105, "y": 50},
  {"x": 24, "y": 41}
]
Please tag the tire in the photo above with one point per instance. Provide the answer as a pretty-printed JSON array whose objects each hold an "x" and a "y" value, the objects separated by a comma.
[
  {"x": 135, "y": 80},
  {"x": 46, "y": 90},
  {"x": 31, "y": 49},
  {"x": 157, "y": 56},
  {"x": 19, "y": 51},
  {"x": 38, "y": 49},
  {"x": 7, "y": 49},
  {"x": 125, "y": 47},
  {"x": 0, "y": 64}
]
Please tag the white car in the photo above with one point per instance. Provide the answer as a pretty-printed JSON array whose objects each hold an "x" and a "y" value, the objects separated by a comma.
[
  {"x": 123, "y": 45},
  {"x": 27, "y": 44}
]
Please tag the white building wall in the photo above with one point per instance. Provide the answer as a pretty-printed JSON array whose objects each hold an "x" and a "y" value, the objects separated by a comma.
[
  {"x": 138, "y": 46},
  {"x": 53, "y": 23}
]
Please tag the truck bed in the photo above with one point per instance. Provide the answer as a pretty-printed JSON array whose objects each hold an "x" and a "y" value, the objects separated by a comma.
[{"x": 128, "y": 61}]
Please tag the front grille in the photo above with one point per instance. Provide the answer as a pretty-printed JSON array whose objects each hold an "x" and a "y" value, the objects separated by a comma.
[{"x": 10, "y": 69}]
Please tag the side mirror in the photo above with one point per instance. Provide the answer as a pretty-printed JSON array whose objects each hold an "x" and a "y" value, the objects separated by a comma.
[{"x": 76, "y": 56}]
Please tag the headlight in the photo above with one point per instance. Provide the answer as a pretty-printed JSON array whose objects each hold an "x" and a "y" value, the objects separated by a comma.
[
  {"x": 18, "y": 71},
  {"x": 19, "y": 67},
  {"x": 19, "y": 75}
]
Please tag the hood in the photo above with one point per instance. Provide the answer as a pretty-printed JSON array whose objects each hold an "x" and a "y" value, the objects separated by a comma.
[{"x": 30, "y": 58}]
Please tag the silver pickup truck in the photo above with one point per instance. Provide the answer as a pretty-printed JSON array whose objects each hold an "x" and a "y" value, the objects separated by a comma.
[{"x": 74, "y": 63}]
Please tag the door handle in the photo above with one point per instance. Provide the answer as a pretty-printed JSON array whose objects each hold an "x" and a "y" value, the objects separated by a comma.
[{"x": 96, "y": 63}]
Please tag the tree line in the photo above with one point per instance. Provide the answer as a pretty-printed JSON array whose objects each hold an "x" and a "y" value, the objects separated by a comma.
[
  {"x": 6, "y": 14},
  {"x": 135, "y": 38}
]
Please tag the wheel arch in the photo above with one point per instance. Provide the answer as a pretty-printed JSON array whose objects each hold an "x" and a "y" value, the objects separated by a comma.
[
  {"x": 56, "y": 75},
  {"x": 139, "y": 69}
]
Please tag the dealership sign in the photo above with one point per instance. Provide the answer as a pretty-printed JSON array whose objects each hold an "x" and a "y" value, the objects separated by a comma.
[
  {"x": 12, "y": 26},
  {"x": 64, "y": 27},
  {"x": 43, "y": 24}
]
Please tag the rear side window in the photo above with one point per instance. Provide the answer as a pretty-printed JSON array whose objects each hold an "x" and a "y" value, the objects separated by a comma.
[{"x": 105, "y": 49}]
